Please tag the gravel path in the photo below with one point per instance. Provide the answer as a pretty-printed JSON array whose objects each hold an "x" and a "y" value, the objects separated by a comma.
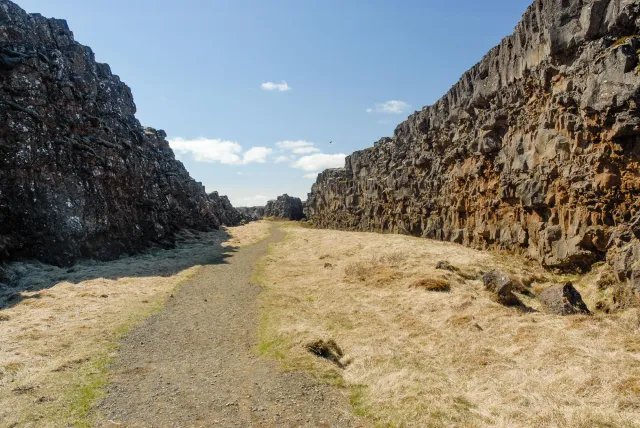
[{"x": 193, "y": 364}]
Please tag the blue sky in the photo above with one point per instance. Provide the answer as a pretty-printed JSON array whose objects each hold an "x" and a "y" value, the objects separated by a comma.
[{"x": 212, "y": 74}]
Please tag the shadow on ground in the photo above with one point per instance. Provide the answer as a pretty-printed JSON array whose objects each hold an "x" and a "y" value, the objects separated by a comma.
[{"x": 192, "y": 249}]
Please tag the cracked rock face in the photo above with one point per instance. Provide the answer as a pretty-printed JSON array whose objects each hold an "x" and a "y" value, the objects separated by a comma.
[
  {"x": 285, "y": 207},
  {"x": 251, "y": 213},
  {"x": 227, "y": 214},
  {"x": 79, "y": 176},
  {"x": 535, "y": 150}
]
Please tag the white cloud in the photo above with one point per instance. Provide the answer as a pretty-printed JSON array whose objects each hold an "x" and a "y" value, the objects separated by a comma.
[
  {"x": 311, "y": 176},
  {"x": 305, "y": 150},
  {"x": 256, "y": 154},
  {"x": 209, "y": 150},
  {"x": 299, "y": 147},
  {"x": 271, "y": 86},
  {"x": 281, "y": 159},
  {"x": 291, "y": 145},
  {"x": 390, "y": 107},
  {"x": 313, "y": 159},
  {"x": 215, "y": 150},
  {"x": 320, "y": 161}
]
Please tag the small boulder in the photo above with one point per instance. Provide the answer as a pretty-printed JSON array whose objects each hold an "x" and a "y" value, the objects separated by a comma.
[
  {"x": 563, "y": 300},
  {"x": 502, "y": 287}
]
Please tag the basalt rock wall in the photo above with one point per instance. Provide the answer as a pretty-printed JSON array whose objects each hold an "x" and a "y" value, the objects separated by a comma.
[
  {"x": 79, "y": 176},
  {"x": 285, "y": 207},
  {"x": 536, "y": 149},
  {"x": 227, "y": 214}
]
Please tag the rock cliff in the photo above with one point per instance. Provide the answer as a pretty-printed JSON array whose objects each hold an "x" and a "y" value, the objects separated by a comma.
[
  {"x": 536, "y": 149},
  {"x": 227, "y": 214},
  {"x": 251, "y": 213},
  {"x": 79, "y": 176},
  {"x": 285, "y": 207}
]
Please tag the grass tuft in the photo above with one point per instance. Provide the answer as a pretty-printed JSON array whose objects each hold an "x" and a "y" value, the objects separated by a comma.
[{"x": 432, "y": 284}]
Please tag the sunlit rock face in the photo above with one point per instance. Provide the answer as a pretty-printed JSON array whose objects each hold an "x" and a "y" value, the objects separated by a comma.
[
  {"x": 79, "y": 176},
  {"x": 536, "y": 149}
]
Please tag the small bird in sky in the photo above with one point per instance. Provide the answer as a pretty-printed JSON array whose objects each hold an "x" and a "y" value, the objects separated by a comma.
[{"x": 330, "y": 141}]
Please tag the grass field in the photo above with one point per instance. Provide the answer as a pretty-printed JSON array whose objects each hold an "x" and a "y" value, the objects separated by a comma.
[{"x": 424, "y": 347}]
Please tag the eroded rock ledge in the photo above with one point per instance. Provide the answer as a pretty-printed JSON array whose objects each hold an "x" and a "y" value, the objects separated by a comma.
[
  {"x": 535, "y": 150},
  {"x": 79, "y": 176}
]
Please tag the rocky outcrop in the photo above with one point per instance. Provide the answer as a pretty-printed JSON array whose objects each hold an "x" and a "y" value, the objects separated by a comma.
[
  {"x": 285, "y": 207},
  {"x": 535, "y": 150},
  {"x": 251, "y": 213},
  {"x": 228, "y": 215},
  {"x": 79, "y": 176}
]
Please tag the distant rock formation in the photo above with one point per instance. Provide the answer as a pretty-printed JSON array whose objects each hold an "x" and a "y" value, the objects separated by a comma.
[
  {"x": 285, "y": 207},
  {"x": 79, "y": 176},
  {"x": 251, "y": 213},
  {"x": 536, "y": 149},
  {"x": 228, "y": 215}
]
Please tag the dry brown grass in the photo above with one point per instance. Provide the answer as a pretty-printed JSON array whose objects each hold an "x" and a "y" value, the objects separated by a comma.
[
  {"x": 444, "y": 359},
  {"x": 61, "y": 327},
  {"x": 432, "y": 284},
  {"x": 249, "y": 234}
]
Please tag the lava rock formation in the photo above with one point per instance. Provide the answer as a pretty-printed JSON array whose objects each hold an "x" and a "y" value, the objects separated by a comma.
[
  {"x": 536, "y": 149},
  {"x": 285, "y": 207},
  {"x": 79, "y": 176}
]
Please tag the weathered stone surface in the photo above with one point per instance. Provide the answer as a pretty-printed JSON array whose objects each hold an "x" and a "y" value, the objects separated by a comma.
[
  {"x": 227, "y": 214},
  {"x": 286, "y": 207},
  {"x": 79, "y": 176},
  {"x": 563, "y": 300},
  {"x": 502, "y": 288},
  {"x": 251, "y": 213},
  {"x": 535, "y": 150}
]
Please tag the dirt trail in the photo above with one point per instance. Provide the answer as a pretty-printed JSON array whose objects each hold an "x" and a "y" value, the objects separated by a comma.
[{"x": 194, "y": 363}]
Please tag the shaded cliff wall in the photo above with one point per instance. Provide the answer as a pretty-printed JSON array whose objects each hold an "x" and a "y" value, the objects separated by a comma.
[
  {"x": 285, "y": 207},
  {"x": 79, "y": 176},
  {"x": 536, "y": 149}
]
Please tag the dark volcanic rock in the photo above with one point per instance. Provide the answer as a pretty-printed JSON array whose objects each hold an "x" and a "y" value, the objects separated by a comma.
[
  {"x": 79, "y": 176},
  {"x": 228, "y": 215},
  {"x": 251, "y": 213},
  {"x": 563, "y": 300},
  {"x": 286, "y": 207},
  {"x": 536, "y": 149},
  {"x": 502, "y": 287}
]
